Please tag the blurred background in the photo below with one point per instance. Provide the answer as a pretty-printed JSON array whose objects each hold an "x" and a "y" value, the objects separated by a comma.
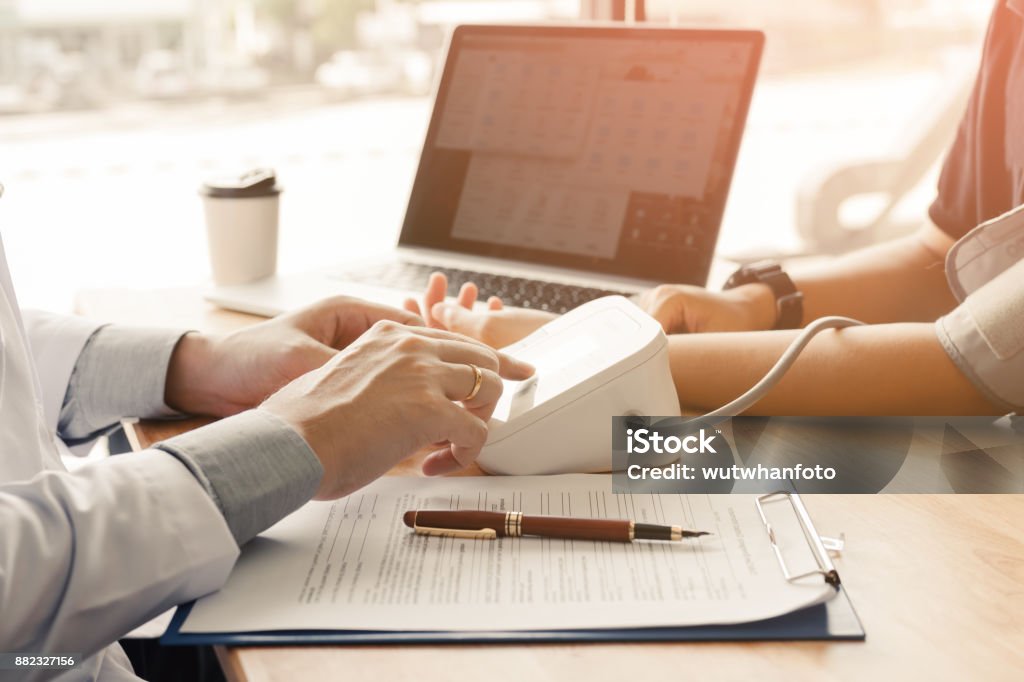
[{"x": 113, "y": 111}]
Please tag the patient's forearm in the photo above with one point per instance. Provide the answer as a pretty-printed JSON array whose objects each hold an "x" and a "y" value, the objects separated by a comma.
[
  {"x": 892, "y": 369},
  {"x": 898, "y": 281}
]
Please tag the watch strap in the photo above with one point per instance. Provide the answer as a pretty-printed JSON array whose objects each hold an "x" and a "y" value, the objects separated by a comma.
[{"x": 789, "y": 304}]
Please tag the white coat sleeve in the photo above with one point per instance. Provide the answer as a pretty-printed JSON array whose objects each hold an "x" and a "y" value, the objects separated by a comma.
[{"x": 89, "y": 555}]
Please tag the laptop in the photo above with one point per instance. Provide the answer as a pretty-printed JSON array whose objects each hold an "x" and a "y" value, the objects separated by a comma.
[{"x": 561, "y": 164}]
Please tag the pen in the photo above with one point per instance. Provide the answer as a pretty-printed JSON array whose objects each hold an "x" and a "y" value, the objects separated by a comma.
[{"x": 485, "y": 525}]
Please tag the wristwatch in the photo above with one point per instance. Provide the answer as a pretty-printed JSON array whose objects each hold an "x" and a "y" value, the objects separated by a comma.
[{"x": 789, "y": 303}]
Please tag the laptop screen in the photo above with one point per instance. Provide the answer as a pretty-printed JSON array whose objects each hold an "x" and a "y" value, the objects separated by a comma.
[{"x": 608, "y": 150}]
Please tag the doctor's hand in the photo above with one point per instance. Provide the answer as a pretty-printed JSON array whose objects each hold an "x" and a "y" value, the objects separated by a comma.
[
  {"x": 392, "y": 392},
  {"x": 498, "y": 326},
  {"x": 681, "y": 308},
  {"x": 220, "y": 375}
]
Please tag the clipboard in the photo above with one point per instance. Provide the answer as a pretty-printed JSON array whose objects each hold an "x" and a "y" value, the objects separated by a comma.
[{"x": 833, "y": 620}]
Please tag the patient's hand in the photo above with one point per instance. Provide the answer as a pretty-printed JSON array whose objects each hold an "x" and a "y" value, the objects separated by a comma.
[
  {"x": 681, "y": 308},
  {"x": 498, "y": 326}
]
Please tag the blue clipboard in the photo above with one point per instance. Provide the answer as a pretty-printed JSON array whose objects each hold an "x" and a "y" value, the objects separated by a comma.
[{"x": 835, "y": 620}]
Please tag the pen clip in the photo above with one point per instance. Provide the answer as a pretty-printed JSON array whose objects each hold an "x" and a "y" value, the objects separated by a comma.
[{"x": 457, "y": 533}]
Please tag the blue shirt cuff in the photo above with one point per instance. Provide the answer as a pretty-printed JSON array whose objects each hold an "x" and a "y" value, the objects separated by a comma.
[
  {"x": 121, "y": 372},
  {"x": 256, "y": 468}
]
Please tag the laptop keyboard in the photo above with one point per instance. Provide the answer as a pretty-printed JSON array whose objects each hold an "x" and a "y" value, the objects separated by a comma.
[{"x": 514, "y": 291}]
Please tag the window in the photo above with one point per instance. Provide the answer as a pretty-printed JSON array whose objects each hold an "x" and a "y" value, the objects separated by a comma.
[{"x": 113, "y": 111}]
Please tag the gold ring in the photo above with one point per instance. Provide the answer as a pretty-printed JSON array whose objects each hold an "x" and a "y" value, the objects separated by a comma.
[{"x": 478, "y": 380}]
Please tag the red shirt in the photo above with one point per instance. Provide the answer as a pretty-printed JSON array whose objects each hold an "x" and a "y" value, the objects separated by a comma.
[{"x": 983, "y": 175}]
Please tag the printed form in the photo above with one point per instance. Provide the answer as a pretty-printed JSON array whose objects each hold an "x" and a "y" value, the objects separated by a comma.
[{"x": 353, "y": 565}]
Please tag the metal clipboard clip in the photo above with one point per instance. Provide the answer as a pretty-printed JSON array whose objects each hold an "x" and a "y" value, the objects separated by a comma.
[{"x": 818, "y": 547}]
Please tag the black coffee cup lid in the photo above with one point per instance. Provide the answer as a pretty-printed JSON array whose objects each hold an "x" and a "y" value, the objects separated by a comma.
[{"x": 259, "y": 182}]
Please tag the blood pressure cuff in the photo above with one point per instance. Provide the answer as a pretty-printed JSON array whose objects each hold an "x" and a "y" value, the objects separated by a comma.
[{"x": 984, "y": 335}]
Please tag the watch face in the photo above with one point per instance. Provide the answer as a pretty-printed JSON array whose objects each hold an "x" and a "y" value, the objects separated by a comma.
[{"x": 765, "y": 270}]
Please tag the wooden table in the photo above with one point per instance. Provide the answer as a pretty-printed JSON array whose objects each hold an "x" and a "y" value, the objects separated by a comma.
[{"x": 938, "y": 581}]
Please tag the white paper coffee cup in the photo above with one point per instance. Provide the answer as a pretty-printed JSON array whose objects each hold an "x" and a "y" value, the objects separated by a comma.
[{"x": 242, "y": 226}]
